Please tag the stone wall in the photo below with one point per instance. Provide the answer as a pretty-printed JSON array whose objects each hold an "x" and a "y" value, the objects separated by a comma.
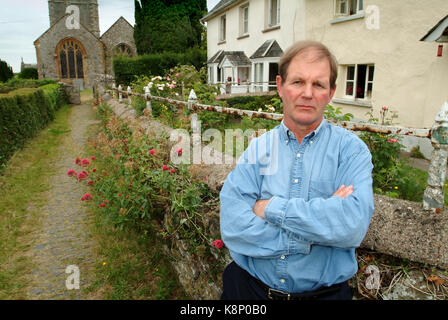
[
  {"x": 399, "y": 228},
  {"x": 121, "y": 32},
  {"x": 47, "y": 58}
]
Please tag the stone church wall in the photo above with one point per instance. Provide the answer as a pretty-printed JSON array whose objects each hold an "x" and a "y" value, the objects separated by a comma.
[
  {"x": 47, "y": 57},
  {"x": 120, "y": 32}
]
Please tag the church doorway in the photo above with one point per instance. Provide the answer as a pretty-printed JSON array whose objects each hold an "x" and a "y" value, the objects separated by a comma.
[{"x": 71, "y": 60}]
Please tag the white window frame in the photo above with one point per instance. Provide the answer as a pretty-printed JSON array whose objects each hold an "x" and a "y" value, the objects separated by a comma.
[
  {"x": 348, "y": 7},
  {"x": 222, "y": 28},
  {"x": 271, "y": 9},
  {"x": 370, "y": 68},
  {"x": 244, "y": 19}
]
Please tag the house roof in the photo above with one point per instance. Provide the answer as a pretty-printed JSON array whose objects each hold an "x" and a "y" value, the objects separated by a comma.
[
  {"x": 220, "y": 7},
  {"x": 439, "y": 33},
  {"x": 269, "y": 48},
  {"x": 236, "y": 58}
]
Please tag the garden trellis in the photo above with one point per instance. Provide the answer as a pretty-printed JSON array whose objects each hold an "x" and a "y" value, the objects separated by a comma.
[{"x": 433, "y": 198}]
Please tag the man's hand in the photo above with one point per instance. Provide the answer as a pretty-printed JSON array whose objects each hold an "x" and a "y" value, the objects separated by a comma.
[
  {"x": 260, "y": 206},
  {"x": 343, "y": 192}
]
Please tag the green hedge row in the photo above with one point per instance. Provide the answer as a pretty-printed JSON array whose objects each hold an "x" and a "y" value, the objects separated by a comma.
[
  {"x": 23, "y": 113},
  {"x": 126, "y": 69},
  {"x": 17, "y": 83}
]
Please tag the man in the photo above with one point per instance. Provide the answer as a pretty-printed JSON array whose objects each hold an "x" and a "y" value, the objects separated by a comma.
[{"x": 292, "y": 227}]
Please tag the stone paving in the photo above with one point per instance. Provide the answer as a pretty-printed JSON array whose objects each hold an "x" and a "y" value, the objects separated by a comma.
[{"x": 64, "y": 238}]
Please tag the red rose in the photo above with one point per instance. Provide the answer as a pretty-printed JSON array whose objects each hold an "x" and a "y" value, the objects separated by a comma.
[
  {"x": 217, "y": 244},
  {"x": 72, "y": 173}
]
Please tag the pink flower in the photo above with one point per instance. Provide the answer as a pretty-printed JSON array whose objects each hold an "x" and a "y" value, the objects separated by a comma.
[
  {"x": 217, "y": 244},
  {"x": 172, "y": 171},
  {"x": 78, "y": 161},
  {"x": 205, "y": 179},
  {"x": 384, "y": 108},
  {"x": 165, "y": 167},
  {"x": 392, "y": 140},
  {"x": 176, "y": 75},
  {"x": 102, "y": 205},
  {"x": 127, "y": 197},
  {"x": 90, "y": 183},
  {"x": 94, "y": 170},
  {"x": 85, "y": 162},
  {"x": 92, "y": 158},
  {"x": 119, "y": 194},
  {"x": 82, "y": 176},
  {"x": 152, "y": 151},
  {"x": 71, "y": 173},
  {"x": 87, "y": 196},
  {"x": 179, "y": 151}
]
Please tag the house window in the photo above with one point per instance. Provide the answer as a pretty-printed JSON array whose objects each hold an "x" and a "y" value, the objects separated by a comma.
[
  {"x": 348, "y": 7},
  {"x": 359, "y": 81},
  {"x": 244, "y": 19},
  {"x": 274, "y": 13},
  {"x": 222, "y": 29}
]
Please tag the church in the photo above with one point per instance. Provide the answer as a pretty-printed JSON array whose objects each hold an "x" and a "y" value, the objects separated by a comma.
[{"x": 73, "y": 51}]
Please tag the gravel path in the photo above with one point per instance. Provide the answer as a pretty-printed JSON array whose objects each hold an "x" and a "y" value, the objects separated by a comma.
[{"x": 64, "y": 237}]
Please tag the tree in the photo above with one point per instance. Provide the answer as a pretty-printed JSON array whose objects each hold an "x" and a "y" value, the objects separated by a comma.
[
  {"x": 168, "y": 25},
  {"x": 28, "y": 73},
  {"x": 5, "y": 71}
]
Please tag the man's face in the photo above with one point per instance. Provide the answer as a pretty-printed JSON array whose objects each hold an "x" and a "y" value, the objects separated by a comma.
[{"x": 305, "y": 91}]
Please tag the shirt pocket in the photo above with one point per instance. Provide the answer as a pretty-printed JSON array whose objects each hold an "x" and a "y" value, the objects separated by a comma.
[{"x": 321, "y": 189}]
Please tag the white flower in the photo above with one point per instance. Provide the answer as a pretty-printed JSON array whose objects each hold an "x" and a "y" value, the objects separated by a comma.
[{"x": 259, "y": 110}]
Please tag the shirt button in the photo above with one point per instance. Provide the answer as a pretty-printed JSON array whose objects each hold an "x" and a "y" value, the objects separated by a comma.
[
  {"x": 311, "y": 142},
  {"x": 298, "y": 155},
  {"x": 282, "y": 257},
  {"x": 296, "y": 181},
  {"x": 282, "y": 280}
]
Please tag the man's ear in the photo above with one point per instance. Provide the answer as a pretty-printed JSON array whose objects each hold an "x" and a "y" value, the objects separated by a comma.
[
  {"x": 332, "y": 91},
  {"x": 278, "y": 79}
]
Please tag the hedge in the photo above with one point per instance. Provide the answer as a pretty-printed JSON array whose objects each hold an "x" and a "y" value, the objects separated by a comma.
[
  {"x": 126, "y": 68},
  {"x": 23, "y": 113}
]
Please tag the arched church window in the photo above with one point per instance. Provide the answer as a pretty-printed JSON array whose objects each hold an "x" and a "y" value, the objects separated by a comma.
[
  {"x": 71, "y": 59},
  {"x": 123, "y": 50}
]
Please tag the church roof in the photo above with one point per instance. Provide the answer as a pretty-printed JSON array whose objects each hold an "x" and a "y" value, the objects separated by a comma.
[
  {"x": 115, "y": 23},
  {"x": 57, "y": 22}
]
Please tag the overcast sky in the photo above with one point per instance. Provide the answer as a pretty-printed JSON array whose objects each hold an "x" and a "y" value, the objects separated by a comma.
[{"x": 23, "y": 21}]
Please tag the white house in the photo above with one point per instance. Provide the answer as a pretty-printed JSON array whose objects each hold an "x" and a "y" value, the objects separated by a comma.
[
  {"x": 390, "y": 53},
  {"x": 245, "y": 40}
]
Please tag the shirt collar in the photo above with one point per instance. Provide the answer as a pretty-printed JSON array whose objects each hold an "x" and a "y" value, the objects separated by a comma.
[{"x": 288, "y": 134}]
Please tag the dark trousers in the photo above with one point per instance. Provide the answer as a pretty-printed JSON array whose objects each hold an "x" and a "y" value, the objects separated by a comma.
[{"x": 240, "y": 285}]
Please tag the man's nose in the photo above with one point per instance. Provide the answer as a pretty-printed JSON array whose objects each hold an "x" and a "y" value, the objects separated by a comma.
[{"x": 308, "y": 91}]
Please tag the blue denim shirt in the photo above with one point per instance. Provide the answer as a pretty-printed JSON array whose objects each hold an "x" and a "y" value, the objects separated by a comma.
[{"x": 308, "y": 238}]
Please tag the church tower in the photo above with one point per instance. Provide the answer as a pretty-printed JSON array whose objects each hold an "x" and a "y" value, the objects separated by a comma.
[{"x": 88, "y": 13}]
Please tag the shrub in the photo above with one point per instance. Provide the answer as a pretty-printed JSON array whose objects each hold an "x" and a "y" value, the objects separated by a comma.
[
  {"x": 126, "y": 69},
  {"x": 23, "y": 113},
  {"x": 5, "y": 71},
  {"x": 28, "y": 73}
]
